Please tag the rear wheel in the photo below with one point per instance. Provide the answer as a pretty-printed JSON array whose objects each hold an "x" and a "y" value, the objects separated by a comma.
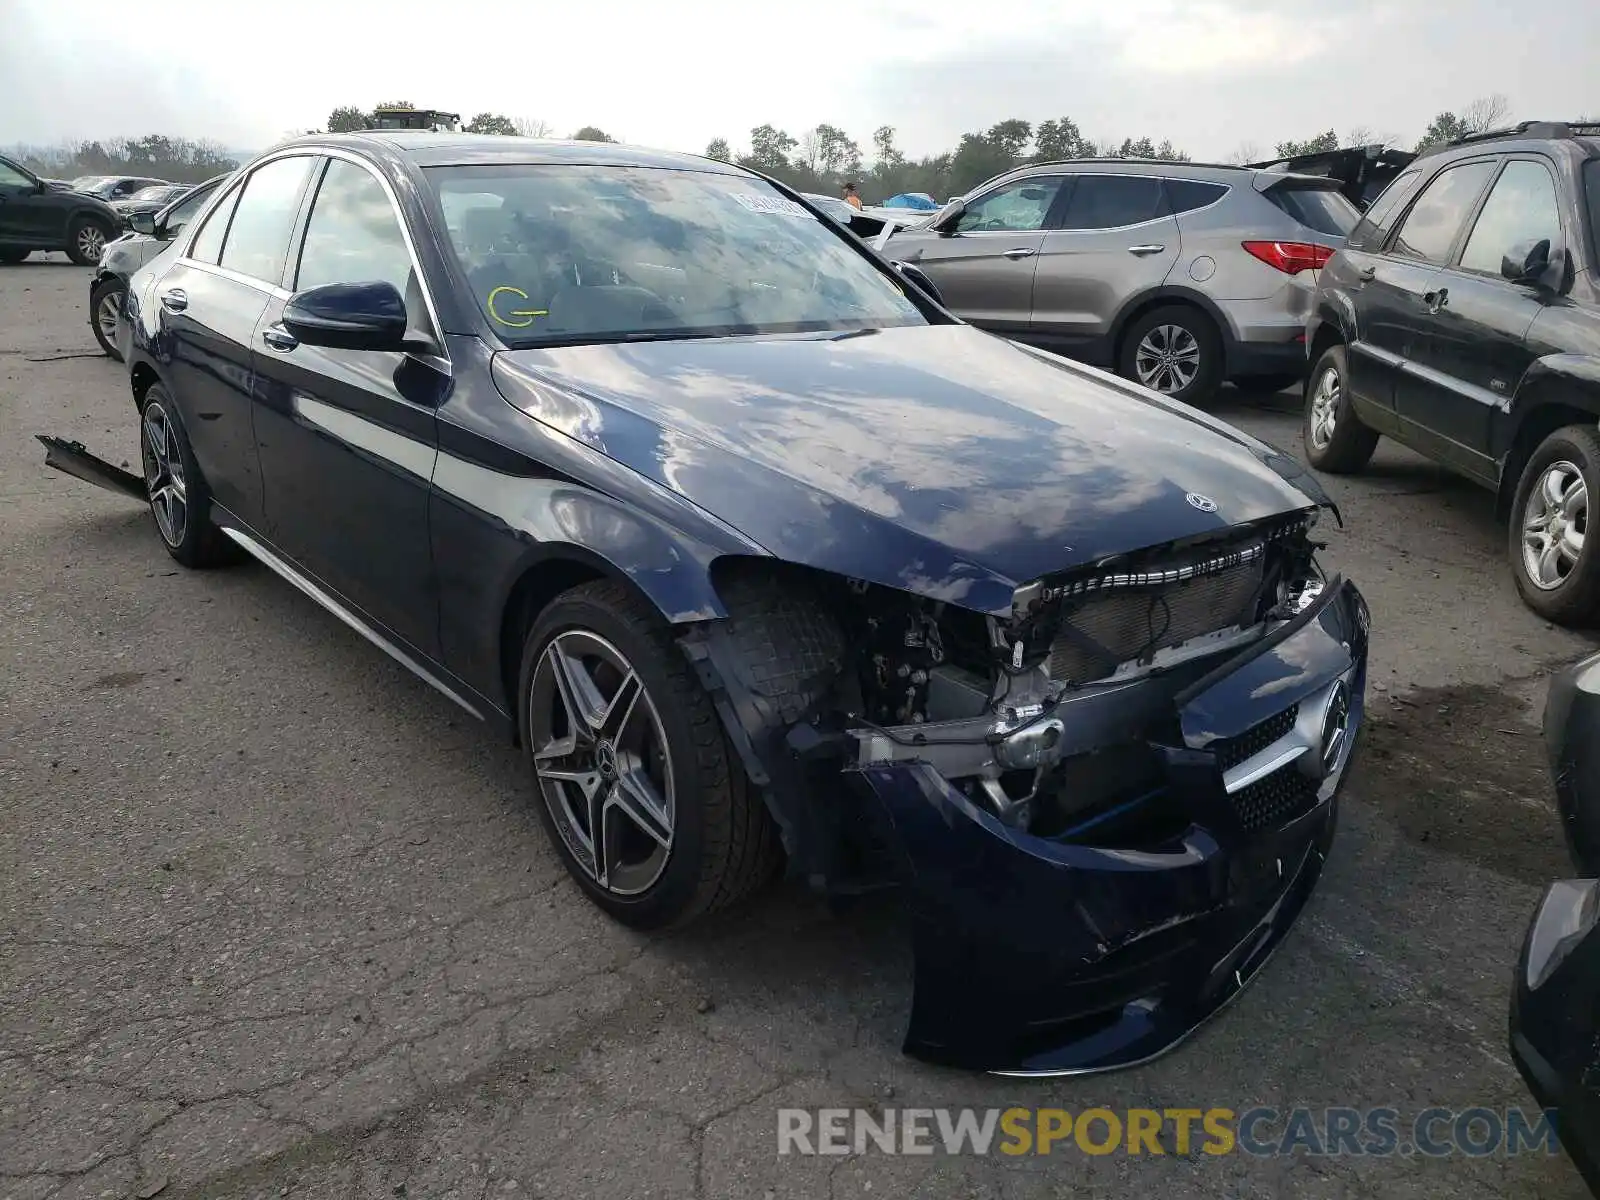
[
  {"x": 85, "y": 240},
  {"x": 636, "y": 784},
  {"x": 1556, "y": 570},
  {"x": 1335, "y": 439},
  {"x": 105, "y": 309},
  {"x": 1174, "y": 350},
  {"x": 180, "y": 501}
]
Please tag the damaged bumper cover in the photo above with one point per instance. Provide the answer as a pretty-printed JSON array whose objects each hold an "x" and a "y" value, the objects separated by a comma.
[{"x": 1107, "y": 944}]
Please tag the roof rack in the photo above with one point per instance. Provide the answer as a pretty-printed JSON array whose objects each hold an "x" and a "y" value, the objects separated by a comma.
[{"x": 1531, "y": 129}]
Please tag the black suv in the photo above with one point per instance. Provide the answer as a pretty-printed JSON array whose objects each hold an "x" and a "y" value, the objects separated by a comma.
[
  {"x": 1462, "y": 318},
  {"x": 37, "y": 216}
]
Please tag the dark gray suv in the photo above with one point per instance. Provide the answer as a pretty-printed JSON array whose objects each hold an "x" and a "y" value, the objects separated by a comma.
[{"x": 1176, "y": 275}]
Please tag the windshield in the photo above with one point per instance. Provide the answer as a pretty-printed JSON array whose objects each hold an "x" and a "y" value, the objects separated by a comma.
[
  {"x": 154, "y": 193},
  {"x": 1322, "y": 209},
  {"x": 88, "y": 181},
  {"x": 564, "y": 254}
]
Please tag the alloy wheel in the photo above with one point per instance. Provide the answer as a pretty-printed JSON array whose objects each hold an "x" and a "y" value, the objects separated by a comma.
[
  {"x": 163, "y": 474},
  {"x": 91, "y": 241},
  {"x": 1554, "y": 522},
  {"x": 105, "y": 315},
  {"x": 600, "y": 755},
  {"x": 1167, "y": 359},
  {"x": 1325, "y": 408}
]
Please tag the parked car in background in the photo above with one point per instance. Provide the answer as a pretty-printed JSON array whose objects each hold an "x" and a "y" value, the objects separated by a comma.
[
  {"x": 1555, "y": 995},
  {"x": 920, "y": 201},
  {"x": 151, "y": 234},
  {"x": 115, "y": 187},
  {"x": 151, "y": 199},
  {"x": 1362, "y": 171},
  {"x": 1177, "y": 275},
  {"x": 761, "y": 553},
  {"x": 833, "y": 207},
  {"x": 35, "y": 216},
  {"x": 1463, "y": 319}
]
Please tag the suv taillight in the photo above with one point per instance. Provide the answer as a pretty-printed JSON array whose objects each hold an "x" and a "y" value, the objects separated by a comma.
[{"x": 1290, "y": 257}]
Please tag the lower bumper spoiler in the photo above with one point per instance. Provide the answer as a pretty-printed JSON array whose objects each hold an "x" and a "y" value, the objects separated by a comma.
[
  {"x": 1063, "y": 956},
  {"x": 75, "y": 459}
]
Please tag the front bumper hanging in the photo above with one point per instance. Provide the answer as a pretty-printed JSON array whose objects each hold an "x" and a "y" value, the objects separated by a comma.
[{"x": 1041, "y": 955}]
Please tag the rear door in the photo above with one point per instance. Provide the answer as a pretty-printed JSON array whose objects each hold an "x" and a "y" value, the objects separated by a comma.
[
  {"x": 1400, "y": 286},
  {"x": 210, "y": 301},
  {"x": 1116, "y": 237},
  {"x": 1474, "y": 349},
  {"x": 984, "y": 266},
  {"x": 347, "y": 437}
]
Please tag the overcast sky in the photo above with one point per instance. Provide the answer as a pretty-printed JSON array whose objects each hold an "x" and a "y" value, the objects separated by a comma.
[{"x": 1209, "y": 74}]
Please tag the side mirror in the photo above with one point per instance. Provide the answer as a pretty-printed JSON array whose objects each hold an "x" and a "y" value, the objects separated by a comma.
[
  {"x": 945, "y": 223},
  {"x": 917, "y": 276},
  {"x": 1531, "y": 266},
  {"x": 144, "y": 223},
  {"x": 348, "y": 316}
]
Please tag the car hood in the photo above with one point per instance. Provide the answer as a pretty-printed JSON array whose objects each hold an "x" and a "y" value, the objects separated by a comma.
[{"x": 939, "y": 459}]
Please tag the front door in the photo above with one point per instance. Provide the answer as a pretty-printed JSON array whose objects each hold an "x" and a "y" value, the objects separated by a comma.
[
  {"x": 984, "y": 266},
  {"x": 347, "y": 437},
  {"x": 1115, "y": 239},
  {"x": 26, "y": 215}
]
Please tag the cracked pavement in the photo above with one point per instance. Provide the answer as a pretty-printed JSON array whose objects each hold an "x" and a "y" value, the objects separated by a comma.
[{"x": 277, "y": 920}]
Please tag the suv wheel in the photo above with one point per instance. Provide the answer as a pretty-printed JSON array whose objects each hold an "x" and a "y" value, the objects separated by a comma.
[
  {"x": 1334, "y": 437},
  {"x": 85, "y": 240},
  {"x": 1174, "y": 350},
  {"x": 1556, "y": 572}
]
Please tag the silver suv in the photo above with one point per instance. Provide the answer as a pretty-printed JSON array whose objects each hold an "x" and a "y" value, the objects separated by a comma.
[{"x": 1177, "y": 275}]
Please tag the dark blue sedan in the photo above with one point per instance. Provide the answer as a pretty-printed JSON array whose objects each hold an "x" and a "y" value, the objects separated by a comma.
[{"x": 764, "y": 557}]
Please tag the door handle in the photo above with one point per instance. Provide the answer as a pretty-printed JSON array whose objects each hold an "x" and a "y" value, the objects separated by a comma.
[
  {"x": 279, "y": 338},
  {"x": 1367, "y": 274},
  {"x": 1150, "y": 248},
  {"x": 1436, "y": 300},
  {"x": 174, "y": 299},
  {"x": 1020, "y": 252}
]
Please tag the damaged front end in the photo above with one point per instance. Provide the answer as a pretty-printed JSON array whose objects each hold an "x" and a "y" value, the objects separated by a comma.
[{"x": 1104, "y": 808}]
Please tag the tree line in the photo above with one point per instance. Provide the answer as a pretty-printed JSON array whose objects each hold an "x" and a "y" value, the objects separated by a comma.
[{"x": 156, "y": 156}]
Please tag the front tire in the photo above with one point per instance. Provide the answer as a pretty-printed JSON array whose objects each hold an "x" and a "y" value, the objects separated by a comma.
[
  {"x": 180, "y": 501},
  {"x": 1175, "y": 350},
  {"x": 1335, "y": 439},
  {"x": 105, "y": 308},
  {"x": 634, "y": 781},
  {"x": 1556, "y": 571},
  {"x": 85, "y": 241}
]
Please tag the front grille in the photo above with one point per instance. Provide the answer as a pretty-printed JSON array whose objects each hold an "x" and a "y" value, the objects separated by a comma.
[
  {"x": 1142, "y": 620},
  {"x": 1232, "y": 751},
  {"x": 1275, "y": 800}
]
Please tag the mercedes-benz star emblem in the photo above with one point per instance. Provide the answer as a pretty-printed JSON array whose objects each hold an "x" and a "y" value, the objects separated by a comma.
[
  {"x": 1203, "y": 503},
  {"x": 606, "y": 758},
  {"x": 1335, "y": 726}
]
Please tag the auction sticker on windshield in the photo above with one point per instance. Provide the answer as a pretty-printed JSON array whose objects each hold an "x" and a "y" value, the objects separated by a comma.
[{"x": 775, "y": 206}]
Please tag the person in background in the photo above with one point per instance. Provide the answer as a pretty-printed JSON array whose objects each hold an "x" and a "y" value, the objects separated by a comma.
[{"x": 851, "y": 197}]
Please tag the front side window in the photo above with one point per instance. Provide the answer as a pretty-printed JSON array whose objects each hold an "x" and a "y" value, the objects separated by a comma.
[
  {"x": 1430, "y": 228},
  {"x": 1019, "y": 207},
  {"x": 258, "y": 235},
  {"x": 353, "y": 235},
  {"x": 1520, "y": 212},
  {"x": 1112, "y": 201},
  {"x": 11, "y": 177},
  {"x": 1373, "y": 228},
  {"x": 557, "y": 254},
  {"x": 182, "y": 213}
]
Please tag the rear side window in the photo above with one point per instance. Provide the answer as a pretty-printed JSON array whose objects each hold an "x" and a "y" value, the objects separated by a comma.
[
  {"x": 208, "y": 242},
  {"x": 1111, "y": 201},
  {"x": 1521, "y": 212},
  {"x": 1429, "y": 229},
  {"x": 258, "y": 236},
  {"x": 1185, "y": 195},
  {"x": 1322, "y": 209}
]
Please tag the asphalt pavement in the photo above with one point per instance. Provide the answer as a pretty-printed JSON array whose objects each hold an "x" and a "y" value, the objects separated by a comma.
[{"x": 278, "y": 920}]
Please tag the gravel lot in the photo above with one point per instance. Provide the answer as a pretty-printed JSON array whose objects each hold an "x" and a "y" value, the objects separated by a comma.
[{"x": 276, "y": 919}]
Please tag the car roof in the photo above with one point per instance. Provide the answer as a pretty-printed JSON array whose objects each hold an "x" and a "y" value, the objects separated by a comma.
[{"x": 427, "y": 148}]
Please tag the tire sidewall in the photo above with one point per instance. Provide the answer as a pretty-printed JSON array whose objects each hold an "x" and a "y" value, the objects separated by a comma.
[
  {"x": 106, "y": 288},
  {"x": 672, "y": 894},
  {"x": 1576, "y": 599},
  {"x": 1207, "y": 379}
]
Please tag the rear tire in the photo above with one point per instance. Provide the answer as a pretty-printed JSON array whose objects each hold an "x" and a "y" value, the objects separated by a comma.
[
  {"x": 180, "y": 501},
  {"x": 85, "y": 241},
  {"x": 1556, "y": 569},
  {"x": 1175, "y": 350},
  {"x": 1335, "y": 439},
  {"x": 720, "y": 842},
  {"x": 110, "y": 294}
]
